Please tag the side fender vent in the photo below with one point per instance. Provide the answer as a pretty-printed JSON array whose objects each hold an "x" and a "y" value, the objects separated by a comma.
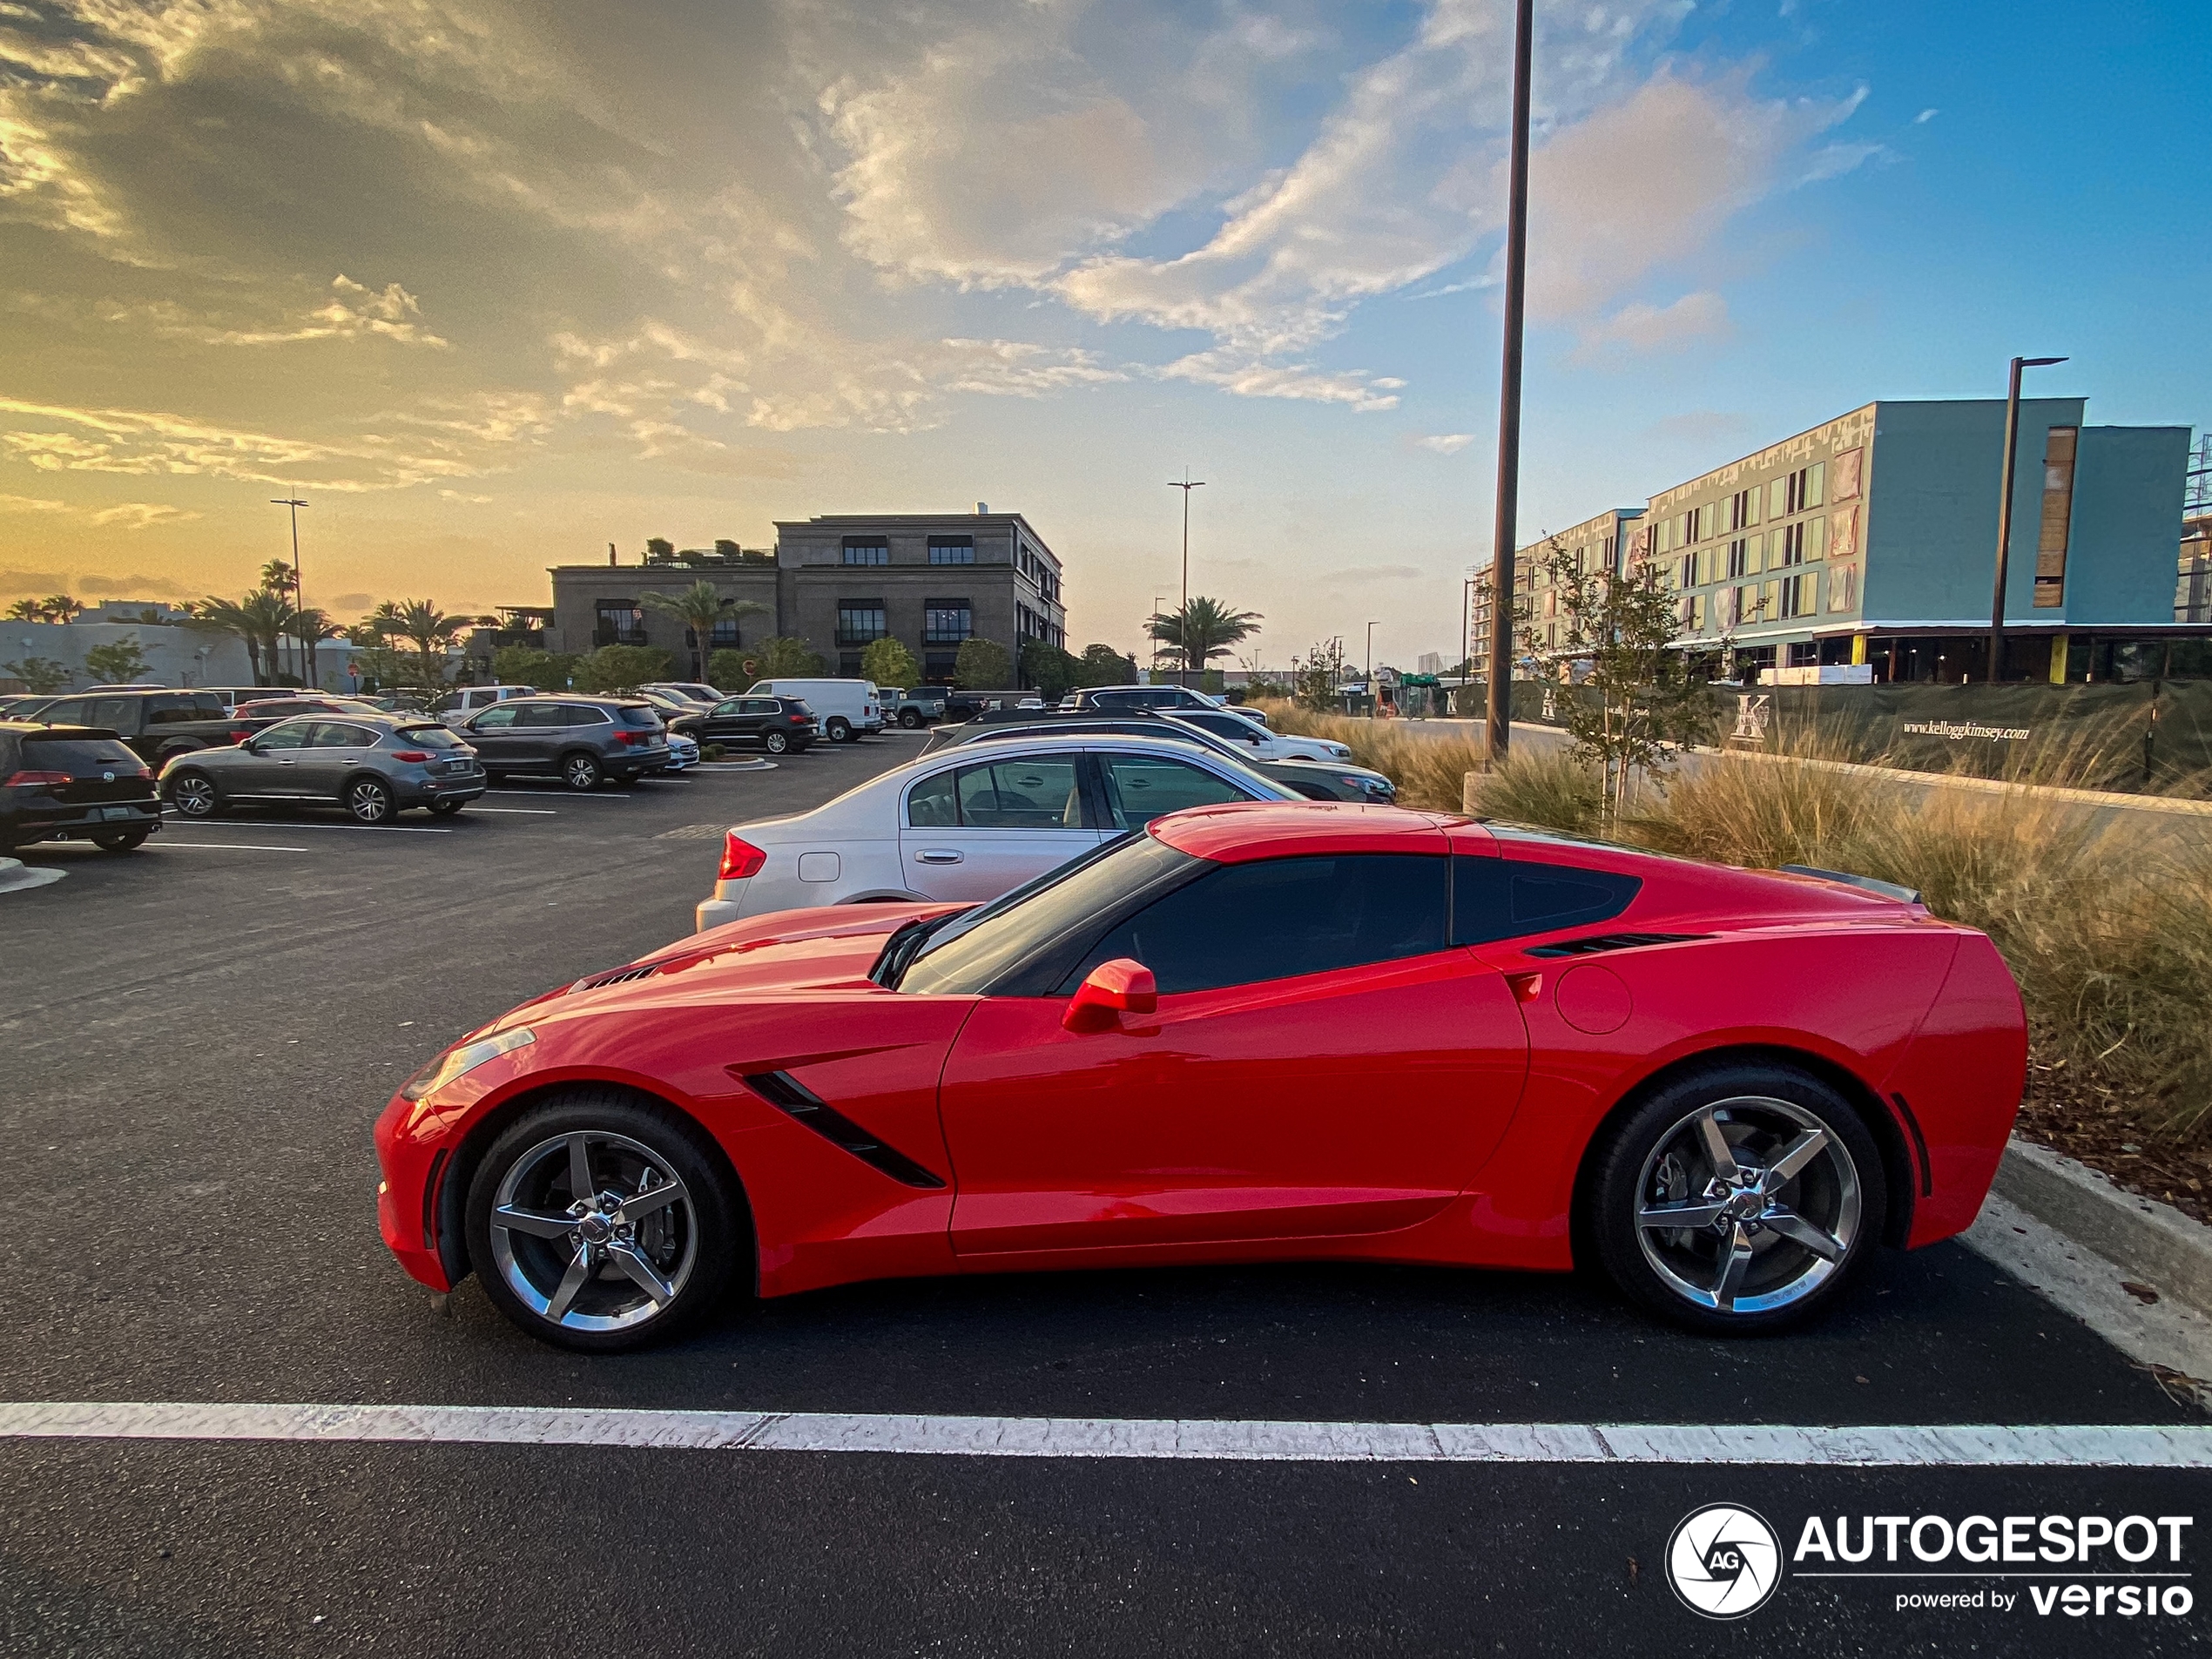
[
  {"x": 1597, "y": 942},
  {"x": 803, "y": 1106}
]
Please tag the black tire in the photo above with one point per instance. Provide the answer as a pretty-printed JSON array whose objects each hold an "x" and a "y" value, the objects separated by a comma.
[
  {"x": 194, "y": 796},
  {"x": 634, "y": 1146},
  {"x": 1660, "y": 1154},
  {"x": 447, "y": 808},
  {"x": 121, "y": 840},
  {"x": 776, "y": 743},
  {"x": 368, "y": 800},
  {"x": 910, "y": 718},
  {"x": 838, "y": 731},
  {"x": 580, "y": 772}
]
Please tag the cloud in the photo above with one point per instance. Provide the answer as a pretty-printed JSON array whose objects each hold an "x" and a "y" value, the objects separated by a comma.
[
  {"x": 1366, "y": 573},
  {"x": 1249, "y": 376},
  {"x": 1642, "y": 327},
  {"x": 148, "y": 587},
  {"x": 31, "y": 504},
  {"x": 353, "y": 602},
  {"x": 35, "y": 583},
  {"x": 1445, "y": 443},
  {"x": 1925, "y": 116},
  {"x": 138, "y": 515}
]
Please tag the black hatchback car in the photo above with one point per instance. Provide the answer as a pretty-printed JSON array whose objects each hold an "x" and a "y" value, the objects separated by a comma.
[
  {"x": 581, "y": 741},
  {"x": 779, "y": 725},
  {"x": 73, "y": 782}
]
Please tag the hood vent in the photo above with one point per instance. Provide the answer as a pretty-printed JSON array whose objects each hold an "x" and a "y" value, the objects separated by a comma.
[{"x": 620, "y": 976}]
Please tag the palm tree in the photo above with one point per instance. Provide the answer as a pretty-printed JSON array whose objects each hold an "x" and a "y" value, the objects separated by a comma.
[
  {"x": 701, "y": 607},
  {"x": 311, "y": 627},
  {"x": 1203, "y": 630},
  {"x": 60, "y": 608},
  {"x": 25, "y": 610},
  {"x": 269, "y": 615},
  {"x": 425, "y": 627},
  {"x": 260, "y": 619}
]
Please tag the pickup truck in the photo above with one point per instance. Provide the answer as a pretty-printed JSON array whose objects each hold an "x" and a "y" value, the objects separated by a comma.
[
  {"x": 156, "y": 726},
  {"x": 912, "y": 709}
]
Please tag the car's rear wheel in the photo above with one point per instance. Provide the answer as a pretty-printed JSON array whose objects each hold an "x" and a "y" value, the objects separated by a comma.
[
  {"x": 369, "y": 799},
  {"x": 194, "y": 795},
  {"x": 599, "y": 1223},
  {"x": 580, "y": 771},
  {"x": 910, "y": 718},
  {"x": 838, "y": 732},
  {"x": 776, "y": 743},
  {"x": 121, "y": 840},
  {"x": 1738, "y": 1198}
]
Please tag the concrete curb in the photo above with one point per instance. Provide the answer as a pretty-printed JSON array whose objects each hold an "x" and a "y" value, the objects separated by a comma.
[
  {"x": 2152, "y": 1242},
  {"x": 15, "y": 877}
]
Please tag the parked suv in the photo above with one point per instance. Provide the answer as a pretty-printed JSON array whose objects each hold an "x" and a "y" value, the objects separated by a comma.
[
  {"x": 779, "y": 725},
  {"x": 375, "y": 765},
  {"x": 68, "y": 783},
  {"x": 581, "y": 741},
  {"x": 912, "y": 709},
  {"x": 156, "y": 724},
  {"x": 457, "y": 706}
]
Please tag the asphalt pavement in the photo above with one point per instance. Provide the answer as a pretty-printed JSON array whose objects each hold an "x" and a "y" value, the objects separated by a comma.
[{"x": 198, "y": 1036}]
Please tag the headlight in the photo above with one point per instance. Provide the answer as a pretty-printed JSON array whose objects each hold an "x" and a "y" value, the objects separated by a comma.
[{"x": 455, "y": 1061}]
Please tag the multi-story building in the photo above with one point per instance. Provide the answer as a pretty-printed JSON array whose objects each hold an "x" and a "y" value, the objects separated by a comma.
[
  {"x": 932, "y": 580},
  {"x": 1595, "y": 544},
  {"x": 1871, "y": 540}
]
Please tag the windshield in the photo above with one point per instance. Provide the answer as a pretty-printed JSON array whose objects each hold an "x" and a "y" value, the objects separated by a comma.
[
  {"x": 429, "y": 737},
  {"x": 978, "y": 947}
]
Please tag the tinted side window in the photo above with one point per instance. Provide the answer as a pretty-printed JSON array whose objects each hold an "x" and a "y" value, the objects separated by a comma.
[
  {"x": 329, "y": 734},
  {"x": 544, "y": 714},
  {"x": 1504, "y": 898},
  {"x": 934, "y": 802},
  {"x": 291, "y": 735},
  {"x": 1283, "y": 917},
  {"x": 1021, "y": 794},
  {"x": 1139, "y": 788},
  {"x": 760, "y": 706},
  {"x": 114, "y": 711},
  {"x": 495, "y": 719},
  {"x": 170, "y": 711},
  {"x": 69, "y": 712}
]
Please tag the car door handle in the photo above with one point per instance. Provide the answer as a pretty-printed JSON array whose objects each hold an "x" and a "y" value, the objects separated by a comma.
[{"x": 937, "y": 855}]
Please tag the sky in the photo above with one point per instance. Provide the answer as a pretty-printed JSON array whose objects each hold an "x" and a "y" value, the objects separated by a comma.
[{"x": 493, "y": 284}]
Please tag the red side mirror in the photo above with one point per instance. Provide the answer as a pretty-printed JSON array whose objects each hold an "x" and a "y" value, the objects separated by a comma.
[{"x": 1112, "y": 989}]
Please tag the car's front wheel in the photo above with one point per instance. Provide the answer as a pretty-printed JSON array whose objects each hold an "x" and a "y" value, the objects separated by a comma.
[
  {"x": 580, "y": 771},
  {"x": 193, "y": 795},
  {"x": 1737, "y": 1199},
  {"x": 369, "y": 799},
  {"x": 776, "y": 743},
  {"x": 600, "y": 1223},
  {"x": 910, "y": 718}
]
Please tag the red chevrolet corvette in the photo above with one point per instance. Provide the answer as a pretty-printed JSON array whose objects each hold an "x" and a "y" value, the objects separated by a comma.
[{"x": 1252, "y": 1032}]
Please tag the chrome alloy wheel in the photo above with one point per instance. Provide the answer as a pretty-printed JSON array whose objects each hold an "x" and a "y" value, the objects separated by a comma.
[
  {"x": 193, "y": 796},
  {"x": 593, "y": 1231},
  {"x": 1747, "y": 1204}
]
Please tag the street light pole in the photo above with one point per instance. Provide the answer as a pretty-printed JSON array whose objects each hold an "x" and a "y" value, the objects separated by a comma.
[
  {"x": 1497, "y": 726},
  {"x": 1374, "y": 696},
  {"x": 1186, "y": 486},
  {"x": 2005, "y": 509},
  {"x": 297, "y": 603}
]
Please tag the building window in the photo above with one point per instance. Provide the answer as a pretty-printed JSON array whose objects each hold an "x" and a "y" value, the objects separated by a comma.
[
  {"x": 2058, "y": 516},
  {"x": 1686, "y": 571},
  {"x": 621, "y": 622},
  {"x": 1815, "y": 538},
  {"x": 859, "y": 621},
  {"x": 1804, "y": 487},
  {"x": 1739, "y": 559},
  {"x": 947, "y": 622},
  {"x": 1792, "y": 546},
  {"x": 1843, "y": 587},
  {"x": 1800, "y": 595},
  {"x": 1743, "y": 509},
  {"x": 937, "y": 666},
  {"x": 866, "y": 550},
  {"x": 952, "y": 550},
  {"x": 724, "y": 635},
  {"x": 849, "y": 664}
]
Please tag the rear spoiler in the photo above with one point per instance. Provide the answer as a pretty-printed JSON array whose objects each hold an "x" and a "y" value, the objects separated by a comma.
[{"x": 1864, "y": 883}]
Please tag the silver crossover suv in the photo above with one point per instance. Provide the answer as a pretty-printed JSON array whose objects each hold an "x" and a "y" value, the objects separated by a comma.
[{"x": 375, "y": 765}]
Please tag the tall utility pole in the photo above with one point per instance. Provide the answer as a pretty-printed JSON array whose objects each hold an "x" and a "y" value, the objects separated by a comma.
[
  {"x": 1375, "y": 696},
  {"x": 2005, "y": 509},
  {"x": 1497, "y": 726},
  {"x": 298, "y": 602},
  {"x": 1186, "y": 486}
]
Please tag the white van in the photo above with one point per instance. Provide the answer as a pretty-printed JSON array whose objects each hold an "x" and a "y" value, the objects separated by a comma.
[
  {"x": 456, "y": 705},
  {"x": 845, "y": 708}
]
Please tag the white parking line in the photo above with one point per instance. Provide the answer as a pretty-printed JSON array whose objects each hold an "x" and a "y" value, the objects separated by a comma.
[
  {"x": 1947, "y": 1446},
  {"x": 357, "y": 829},
  {"x": 234, "y": 847},
  {"x": 542, "y": 794},
  {"x": 520, "y": 812}
]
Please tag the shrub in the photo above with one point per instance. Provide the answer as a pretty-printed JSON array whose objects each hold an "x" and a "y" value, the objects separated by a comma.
[
  {"x": 887, "y": 661},
  {"x": 982, "y": 666},
  {"x": 621, "y": 668},
  {"x": 783, "y": 658},
  {"x": 527, "y": 665}
]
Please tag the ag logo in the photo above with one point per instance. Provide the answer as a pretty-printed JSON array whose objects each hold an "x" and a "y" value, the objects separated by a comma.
[{"x": 1724, "y": 1562}]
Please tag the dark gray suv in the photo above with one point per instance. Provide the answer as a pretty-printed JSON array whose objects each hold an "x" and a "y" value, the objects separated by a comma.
[
  {"x": 375, "y": 765},
  {"x": 581, "y": 741}
]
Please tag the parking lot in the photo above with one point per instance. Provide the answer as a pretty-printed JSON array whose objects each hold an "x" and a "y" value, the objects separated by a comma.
[{"x": 198, "y": 1036}]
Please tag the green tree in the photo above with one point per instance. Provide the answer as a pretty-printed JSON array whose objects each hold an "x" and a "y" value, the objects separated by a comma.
[
  {"x": 1318, "y": 678},
  {"x": 1640, "y": 704},
  {"x": 783, "y": 658},
  {"x": 217, "y": 616},
  {"x": 59, "y": 607},
  {"x": 659, "y": 549},
  {"x": 701, "y": 607},
  {"x": 1103, "y": 665},
  {"x": 42, "y": 676},
  {"x": 25, "y": 610},
  {"x": 117, "y": 663},
  {"x": 726, "y": 669},
  {"x": 621, "y": 668},
  {"x": 1051, "y": 671},
  {"x": 311, "y": 627},
  {"x": 982, "y": 666},
  {"x": 1203, "y": 630},
  {"x": 887, "y": 661},
  {"x": 422, "y": 624},
  {"x": 527, "y": 665}
]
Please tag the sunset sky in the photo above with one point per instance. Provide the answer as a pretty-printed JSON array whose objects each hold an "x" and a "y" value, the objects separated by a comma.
[{"x": 493, "y": 284}]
